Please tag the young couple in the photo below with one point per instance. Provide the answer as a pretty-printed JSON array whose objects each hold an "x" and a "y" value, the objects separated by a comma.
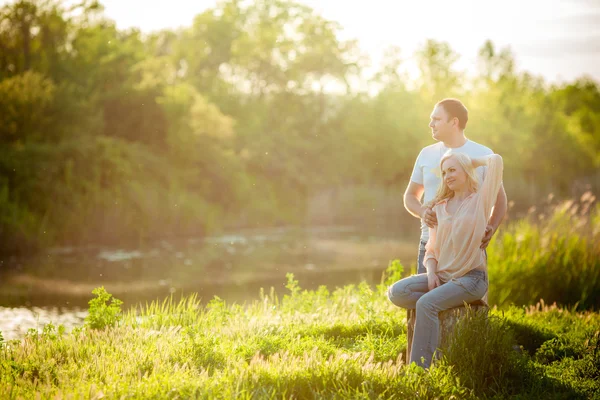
[{"x": 463, "y": 205}]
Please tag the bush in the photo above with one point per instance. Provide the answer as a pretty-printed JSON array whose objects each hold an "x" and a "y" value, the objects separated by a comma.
[
  {"x": 101, "y": 312},
  {"x": 25, "y": 107},
  {"x": 96, "y": 190}
]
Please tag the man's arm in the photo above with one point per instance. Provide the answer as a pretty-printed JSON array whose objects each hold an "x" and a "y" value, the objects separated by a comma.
[
  {"x": 412, "y": 203},
  {"x": 412, "y": 199},
  {"x": 497, "y": 216},
  {"x": 499, "y": 209}
]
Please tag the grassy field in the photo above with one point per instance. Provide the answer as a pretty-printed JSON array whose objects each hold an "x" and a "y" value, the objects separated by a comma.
[
  {"x": 345, "y": 343},
  {"x": 308, "y": 344}
]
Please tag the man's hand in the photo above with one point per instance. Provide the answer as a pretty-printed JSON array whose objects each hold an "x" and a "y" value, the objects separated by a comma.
[
  {"x": 429, "y": 217},
  {"x": 433, "y": 281},
  {"x": 489, "y": 232}
]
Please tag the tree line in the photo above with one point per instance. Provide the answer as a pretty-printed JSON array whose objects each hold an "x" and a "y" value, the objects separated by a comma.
[{"x": 243, "y": 119}]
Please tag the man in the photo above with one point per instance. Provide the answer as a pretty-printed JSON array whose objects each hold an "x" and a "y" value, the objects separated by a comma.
[{"x": 448, "y": 122}]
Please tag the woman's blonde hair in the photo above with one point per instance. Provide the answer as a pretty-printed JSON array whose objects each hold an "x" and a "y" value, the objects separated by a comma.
[{"x": 443, "y": 191}]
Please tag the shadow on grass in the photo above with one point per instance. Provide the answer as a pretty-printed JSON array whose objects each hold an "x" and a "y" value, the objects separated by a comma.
[
  {"x": 384, "y": 341},
  {"x": 530, "y": 337},
  {"x": 485, "y": 358},
  {"x": 341, "y": 331}
]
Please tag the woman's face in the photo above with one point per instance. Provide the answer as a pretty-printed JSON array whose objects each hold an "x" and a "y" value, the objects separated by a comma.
[{"x": 454, "y": 175}]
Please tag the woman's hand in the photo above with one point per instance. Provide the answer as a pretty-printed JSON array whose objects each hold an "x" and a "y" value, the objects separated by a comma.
[{"x": 433, "y": 281}]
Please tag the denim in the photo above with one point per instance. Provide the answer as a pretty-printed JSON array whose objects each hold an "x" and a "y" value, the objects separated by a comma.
[
  {"x": 412, "y": 293},
  {"x": 420, "y": 266}
]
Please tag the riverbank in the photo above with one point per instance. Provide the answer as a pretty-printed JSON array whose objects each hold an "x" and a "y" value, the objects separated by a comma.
[
  {"x": 233, "y": 266},
  {"x": 57, "y": 286},
  {"x": 348, "y": 343}
]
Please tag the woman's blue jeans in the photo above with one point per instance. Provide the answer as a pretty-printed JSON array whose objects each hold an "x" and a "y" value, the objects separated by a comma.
[{"x": 412, "y": 292}]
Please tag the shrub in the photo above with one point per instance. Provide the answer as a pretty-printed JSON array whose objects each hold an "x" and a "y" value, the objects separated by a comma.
[{"x": 101, "y": 312}]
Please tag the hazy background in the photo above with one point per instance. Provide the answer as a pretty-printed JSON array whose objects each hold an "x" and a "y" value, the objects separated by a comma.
[
  {"x": 557, "y": 39},
  {"x": 156, "y": 146}
]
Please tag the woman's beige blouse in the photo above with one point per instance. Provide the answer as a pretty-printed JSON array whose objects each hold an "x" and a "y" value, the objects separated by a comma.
[{"x": 455, "y": 242}]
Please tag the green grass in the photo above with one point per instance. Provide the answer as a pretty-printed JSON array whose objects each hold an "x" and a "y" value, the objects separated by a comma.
[
  {"x": 307, "y": 344},
  {"x": 552, "y": 255},
  {"x": 348, "y": 343}
]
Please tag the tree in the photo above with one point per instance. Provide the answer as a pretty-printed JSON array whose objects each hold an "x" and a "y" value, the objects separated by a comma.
[
  {"x": 26, "y": 108},
  {"x": 35, "y": 35},
  {"x": 438, "y": 78}
]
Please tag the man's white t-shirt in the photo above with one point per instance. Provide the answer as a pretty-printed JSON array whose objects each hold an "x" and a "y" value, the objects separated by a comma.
[{"x": 427, "y": 171}]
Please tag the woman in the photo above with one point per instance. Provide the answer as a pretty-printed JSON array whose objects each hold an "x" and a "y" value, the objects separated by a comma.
[{"x": 456, "y": 265}]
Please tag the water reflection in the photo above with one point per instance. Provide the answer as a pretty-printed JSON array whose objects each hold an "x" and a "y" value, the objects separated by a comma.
[
  {"x": 16, "y": 322},
  {"x": 233, "y": 266}
]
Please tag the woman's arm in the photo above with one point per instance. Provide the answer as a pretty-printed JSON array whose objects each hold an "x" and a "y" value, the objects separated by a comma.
[
  {"x": 488, "y": 192},
  {"x": 431, "y": 266},
  {"x": 430, "y": 247},
  {"x": 431, "y": 262},
  {"x": 480, "y": 161}
]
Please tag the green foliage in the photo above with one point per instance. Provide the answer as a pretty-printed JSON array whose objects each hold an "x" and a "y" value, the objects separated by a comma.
[
  {"x": 483, "y": 355},
  {"x": 554, "y": 257},
  {"x": 393, "y": 273},
  {"x": 104, "y": 311},
  {"x": 271, "y": 110},
  {"x": 25, "y": 107},
  {"x": 18, "y": 226},
  {"x": 348, "y": 343},
  {"x": 439, "y": 79},
  {"x": 107, "y": 182},
  {"x": 292, "y": 285}
]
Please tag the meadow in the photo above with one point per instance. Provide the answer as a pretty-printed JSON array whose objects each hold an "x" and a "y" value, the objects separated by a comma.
[
  {"x": 260, "y": 114},
  {"x": 348, "y": 342}
]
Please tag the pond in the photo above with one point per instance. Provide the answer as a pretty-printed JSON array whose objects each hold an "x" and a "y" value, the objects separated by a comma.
[{"x": 56, "y": 286}]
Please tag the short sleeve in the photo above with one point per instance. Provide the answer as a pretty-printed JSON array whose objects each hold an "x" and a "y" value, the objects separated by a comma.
[{"x": 417, "y": 173}]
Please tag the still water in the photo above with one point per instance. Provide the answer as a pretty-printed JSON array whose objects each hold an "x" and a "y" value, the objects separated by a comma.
[{"x": 56, "y": 286}]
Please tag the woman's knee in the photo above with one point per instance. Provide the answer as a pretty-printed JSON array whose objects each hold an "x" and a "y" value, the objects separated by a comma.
[{"x": 397, "y": 293}]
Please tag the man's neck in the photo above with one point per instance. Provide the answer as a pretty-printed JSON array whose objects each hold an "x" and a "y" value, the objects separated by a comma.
[{"x": 456, "y": 141}]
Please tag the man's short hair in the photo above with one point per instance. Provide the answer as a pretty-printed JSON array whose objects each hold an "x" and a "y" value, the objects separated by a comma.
[{"x": 455, "y": 109}]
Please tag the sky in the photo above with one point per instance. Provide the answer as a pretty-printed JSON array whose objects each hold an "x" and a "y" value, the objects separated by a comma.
[{"x": 557, "y": 39}]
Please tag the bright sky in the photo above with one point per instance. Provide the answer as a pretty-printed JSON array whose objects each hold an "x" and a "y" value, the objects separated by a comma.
[{"x": 558, "y": 39}]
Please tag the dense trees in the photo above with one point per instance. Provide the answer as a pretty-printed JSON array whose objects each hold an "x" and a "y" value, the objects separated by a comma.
[{"x": 241, "y": 119}]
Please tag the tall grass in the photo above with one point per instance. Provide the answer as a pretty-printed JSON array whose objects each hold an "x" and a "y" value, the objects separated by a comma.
[
  {"x": 552, "y": 255},
  {"x": 345, "y": 343},
  {"x": 348, "y": 343}
]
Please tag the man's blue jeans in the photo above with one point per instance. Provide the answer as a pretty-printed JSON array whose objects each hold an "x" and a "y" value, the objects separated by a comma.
[{"x": 420, "y": 266}]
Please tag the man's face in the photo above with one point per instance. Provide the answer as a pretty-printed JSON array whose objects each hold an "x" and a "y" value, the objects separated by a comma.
[{"x": 441, "y": 126}]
